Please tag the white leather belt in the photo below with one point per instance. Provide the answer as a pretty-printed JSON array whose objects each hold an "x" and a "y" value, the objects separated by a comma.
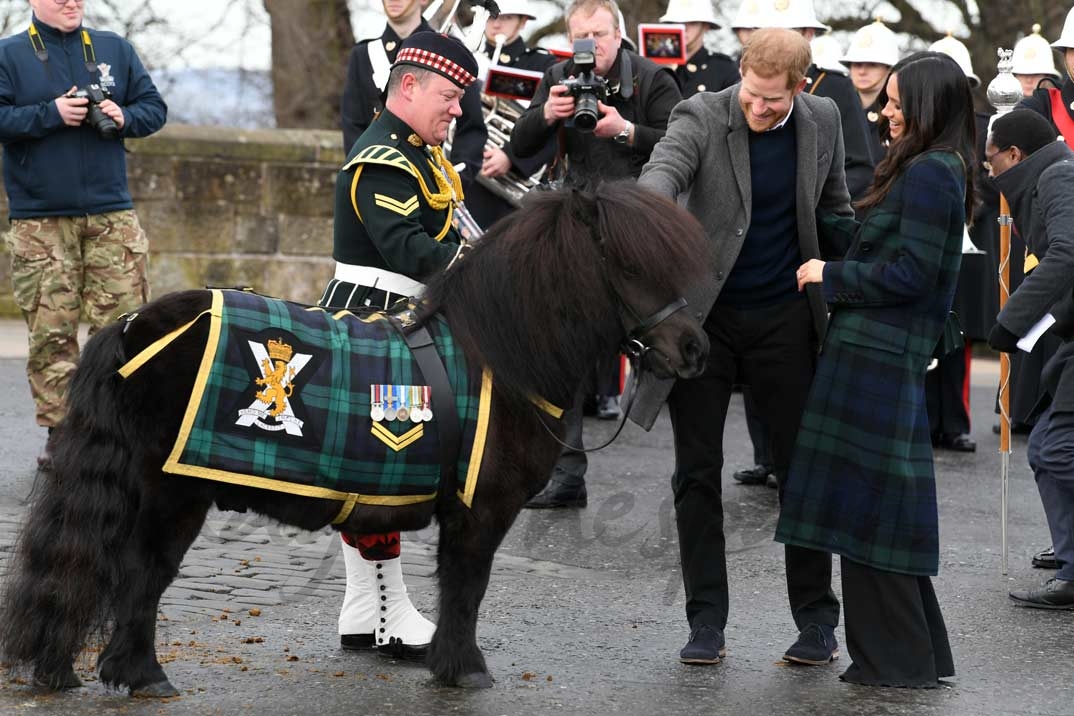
[{"x": 379, "y": 278}]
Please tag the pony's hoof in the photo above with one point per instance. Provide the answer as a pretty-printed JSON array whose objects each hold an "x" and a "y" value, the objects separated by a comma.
[
  {"x": 475, "y": 680},
  {"x": 157, "y": 690},
  {"x": 60, "y": 681}
]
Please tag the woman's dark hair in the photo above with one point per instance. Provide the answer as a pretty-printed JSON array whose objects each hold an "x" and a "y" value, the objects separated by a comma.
[
  {"x": 1022, "y": 128},
  {"x": 937, "y": 110}
]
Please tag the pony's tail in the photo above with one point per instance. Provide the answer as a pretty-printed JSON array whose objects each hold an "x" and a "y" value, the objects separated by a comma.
[{"x": 62, "y": 582}]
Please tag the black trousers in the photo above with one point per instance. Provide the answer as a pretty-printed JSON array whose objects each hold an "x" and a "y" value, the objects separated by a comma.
[
  {"x": 946, "y": 393},
  {"x": 773, "y": 350},
  {"x": 895, "y": 631}
]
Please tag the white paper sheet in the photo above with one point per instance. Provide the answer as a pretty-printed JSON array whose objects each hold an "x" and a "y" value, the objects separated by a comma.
[{"x": 1030, "y": 339}]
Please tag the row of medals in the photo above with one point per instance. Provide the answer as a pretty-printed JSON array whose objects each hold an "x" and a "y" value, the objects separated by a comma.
[{"x": 400, "y": 402}]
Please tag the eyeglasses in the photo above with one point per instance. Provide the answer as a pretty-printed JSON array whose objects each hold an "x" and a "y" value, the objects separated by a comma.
[{"x": 987, "y": 163}]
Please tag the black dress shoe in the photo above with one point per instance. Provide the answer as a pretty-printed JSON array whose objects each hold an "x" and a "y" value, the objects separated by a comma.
[
  {"x": 608, "y": 407},
  {"x": 755, "y": 475},
  {"x": 560, "y": 493},
  {"x": 357, "y": 642},
  {"x": 1055, "y": 594},
  {"x": 1045, "y": 559},
  {"x": 816, "y": 645},
  {"x": 959, "y": 442},
  {"x": 705, "y": 646}
]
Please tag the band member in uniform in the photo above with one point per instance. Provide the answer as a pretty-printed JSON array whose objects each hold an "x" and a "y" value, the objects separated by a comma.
[
  {"x": 772, "y": 155},
  {"x": 632, "y": 118},
  {"x": 486, "y": 205},
  {"x": 1057, "y": 105},
  {"x": 873, "y": 51},
  {"x": 367, "y": 73},
  {"x": 395, "y": 198},
  {"x": 704, "y": 71},
  {"x": 1033, "y": 62}
]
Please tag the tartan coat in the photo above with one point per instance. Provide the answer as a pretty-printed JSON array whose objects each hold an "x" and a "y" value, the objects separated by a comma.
[{"x": 861, "y": 481}]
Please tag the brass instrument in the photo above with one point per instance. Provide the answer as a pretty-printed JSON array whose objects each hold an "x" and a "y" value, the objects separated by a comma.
[{"x": 500, "y": 117}]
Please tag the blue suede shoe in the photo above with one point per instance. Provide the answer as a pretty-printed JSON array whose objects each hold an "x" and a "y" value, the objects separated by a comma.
[
  {"x": 816, "y": 645},
  {"x": 706, "y": 646}
]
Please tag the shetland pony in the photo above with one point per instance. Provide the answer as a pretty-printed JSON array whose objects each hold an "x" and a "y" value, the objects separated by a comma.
[{"x": 548, "y": 292}]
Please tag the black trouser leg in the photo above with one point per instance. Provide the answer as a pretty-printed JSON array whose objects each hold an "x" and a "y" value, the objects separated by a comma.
[
  {"x": 778, "y": 366},
  {"x": 762, "y": 452}
]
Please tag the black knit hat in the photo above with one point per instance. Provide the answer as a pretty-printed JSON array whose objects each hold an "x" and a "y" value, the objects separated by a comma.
[
  {"x": 440, "y": 53},
  {"x": 1022, "y": 128}
]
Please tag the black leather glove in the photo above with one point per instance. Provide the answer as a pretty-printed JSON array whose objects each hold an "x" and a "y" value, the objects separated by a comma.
[{"x": 1002, "y": 340}]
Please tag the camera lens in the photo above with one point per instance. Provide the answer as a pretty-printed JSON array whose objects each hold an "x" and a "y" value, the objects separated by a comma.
[
  {"x": 105, "y": 125},
  {"x": 585, "y": 112}
]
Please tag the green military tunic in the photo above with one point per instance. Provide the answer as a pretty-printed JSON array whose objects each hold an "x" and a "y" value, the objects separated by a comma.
[{"x": 394, "y": 206}]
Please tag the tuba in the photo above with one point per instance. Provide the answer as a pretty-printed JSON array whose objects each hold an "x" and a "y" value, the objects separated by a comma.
[{"x": 500, "y": 117}]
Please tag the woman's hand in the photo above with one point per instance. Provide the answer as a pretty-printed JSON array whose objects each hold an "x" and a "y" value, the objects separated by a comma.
[{"x": 812, "y": 271}]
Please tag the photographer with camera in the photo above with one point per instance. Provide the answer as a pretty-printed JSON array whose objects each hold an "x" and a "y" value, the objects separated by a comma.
[
  {"x": 68, "y": 96},
  {"x": 609, "y": 105},
  {"x": 607, "y": 108}
]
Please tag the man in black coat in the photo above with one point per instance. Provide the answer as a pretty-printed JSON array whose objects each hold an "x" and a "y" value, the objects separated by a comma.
[
  {"x": 632, "y": 119},
  {"x": 1036, "y": 174},
  {"x": 367, "y": 75}
]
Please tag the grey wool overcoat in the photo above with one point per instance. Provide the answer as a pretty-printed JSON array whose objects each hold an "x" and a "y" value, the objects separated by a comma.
[{"x": 704, "y": 161}]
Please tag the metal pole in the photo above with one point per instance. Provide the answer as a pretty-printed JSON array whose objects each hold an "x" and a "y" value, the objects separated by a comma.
[
  {"x": 1004, "y": 92},
  {"x": 1004, "y": 377}
]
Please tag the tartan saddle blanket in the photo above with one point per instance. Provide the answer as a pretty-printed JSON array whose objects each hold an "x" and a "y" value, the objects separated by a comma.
[{"x": 293, "y": 398}]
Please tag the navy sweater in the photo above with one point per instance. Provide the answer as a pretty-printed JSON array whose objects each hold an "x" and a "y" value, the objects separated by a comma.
[
  {"x": 764, "y": 273},
  {"x": 51, "y": 169}
]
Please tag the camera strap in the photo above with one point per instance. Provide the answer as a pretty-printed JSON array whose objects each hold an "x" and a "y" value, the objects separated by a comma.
[{"x": 42, "y": 52}]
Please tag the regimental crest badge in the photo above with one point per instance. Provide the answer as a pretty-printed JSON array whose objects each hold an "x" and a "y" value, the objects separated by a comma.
[
  {"x": 275, "y": 405},
  {"x": 106, "y": 80}
]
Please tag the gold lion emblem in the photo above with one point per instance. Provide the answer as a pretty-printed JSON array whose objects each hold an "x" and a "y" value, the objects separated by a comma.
[{"x": 276, "y": 371}]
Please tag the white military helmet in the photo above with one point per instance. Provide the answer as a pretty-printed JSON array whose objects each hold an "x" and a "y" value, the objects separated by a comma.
[
  {"x": 515, "y": 7},
  {"x": 873, "y": 43},
  {"x": 791, "y": 14},
  {"x": 957, "y": 52},
  {"x": 826, "y": 54},
  {"x": 1033, "y": 56},
  {"x": 1066, "y": 40},
  {"x": 690, "y": 11}
]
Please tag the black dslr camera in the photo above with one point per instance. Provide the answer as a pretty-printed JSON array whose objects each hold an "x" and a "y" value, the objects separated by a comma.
[
  {"x": 584, "y": 86},
  {"x": 105, "y": 125}
]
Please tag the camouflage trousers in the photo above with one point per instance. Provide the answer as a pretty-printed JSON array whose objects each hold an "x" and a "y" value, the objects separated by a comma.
[{"x": 62, "y": 267}]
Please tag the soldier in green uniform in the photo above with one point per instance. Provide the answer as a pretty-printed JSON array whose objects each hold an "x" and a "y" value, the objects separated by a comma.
[{"x": 395, "y": 201}]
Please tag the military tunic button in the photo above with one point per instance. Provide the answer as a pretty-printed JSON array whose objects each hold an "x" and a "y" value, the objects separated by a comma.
[
  {"x": 873, "y": 116},
  {"x": 505, "y": 59},
  {"x": 389, "y": 45},
  {"x": 691, "y": 67},
  {"x": 705, "y": 66},
  {"x": 701, "y": 88},
  {"x": 393, "y": 135}
]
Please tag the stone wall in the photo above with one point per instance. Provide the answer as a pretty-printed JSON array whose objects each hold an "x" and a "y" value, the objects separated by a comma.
[{"x": 230, "y": 207}]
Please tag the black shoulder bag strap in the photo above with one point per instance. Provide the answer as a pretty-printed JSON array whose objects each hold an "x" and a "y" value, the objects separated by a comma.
[{"x": 421, "y": 344}]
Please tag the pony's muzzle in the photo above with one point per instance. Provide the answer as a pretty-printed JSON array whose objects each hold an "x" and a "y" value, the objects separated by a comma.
[{"x": 694, "y": 349}]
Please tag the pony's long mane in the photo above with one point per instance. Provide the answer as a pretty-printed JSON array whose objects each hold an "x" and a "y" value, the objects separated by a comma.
[{"x": 532, "y": 299}]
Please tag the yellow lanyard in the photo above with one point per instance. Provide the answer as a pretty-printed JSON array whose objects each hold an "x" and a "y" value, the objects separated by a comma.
[{"x": 42, "y": 52}]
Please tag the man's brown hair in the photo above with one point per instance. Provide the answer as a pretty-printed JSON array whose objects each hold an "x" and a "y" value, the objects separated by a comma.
[
  {"x": 588, "y": 7},
  {"x": 773, "y": 51}
]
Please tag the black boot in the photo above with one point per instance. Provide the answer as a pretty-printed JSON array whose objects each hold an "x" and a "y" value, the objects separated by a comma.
[{"x": 562, "y": 490}]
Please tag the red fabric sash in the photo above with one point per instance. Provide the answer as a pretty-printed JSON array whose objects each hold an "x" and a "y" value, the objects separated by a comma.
[{"x": 1063, "y": 121}]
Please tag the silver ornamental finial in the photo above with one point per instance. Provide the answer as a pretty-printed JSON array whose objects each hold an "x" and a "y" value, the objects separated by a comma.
[{"x": 1005, "y": 91}]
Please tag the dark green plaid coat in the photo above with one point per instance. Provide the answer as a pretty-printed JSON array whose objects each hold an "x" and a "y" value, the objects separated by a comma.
[{"x": 861, "y": 481}]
